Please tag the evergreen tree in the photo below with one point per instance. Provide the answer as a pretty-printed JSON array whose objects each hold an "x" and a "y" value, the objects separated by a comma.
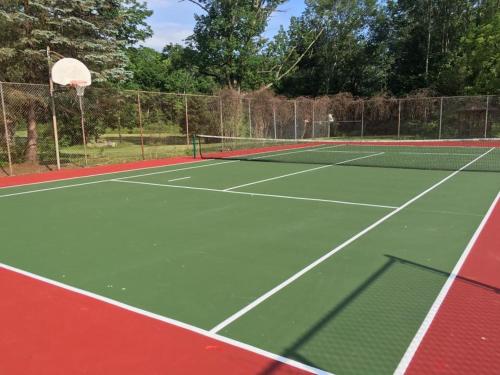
[{"x": 94, "y": 31}]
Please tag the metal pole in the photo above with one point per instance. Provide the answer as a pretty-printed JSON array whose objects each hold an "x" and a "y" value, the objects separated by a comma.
[
  {"x": 441, "y": 118},
  {"x": 399, "y": 118},
  {"x": 249, "y": 119},
  {"x": 53, "y": 109},
  {"x": 82, "y": 122},
  {"x": 313, "y": 118},
  {"x": 186, "y": 117},
  {"x": 7, "y": 137},
  {"x": 274, "y": 121},
  {"x": 486, "y": 119},
  {"x": 362, "y": 119},
  {"x": 295, "y": 117},
  {"x": 139, "y": 110},
  {"x": 221, "y": 119}
]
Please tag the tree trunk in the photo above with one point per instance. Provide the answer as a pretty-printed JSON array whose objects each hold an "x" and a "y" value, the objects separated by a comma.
[{"x": 32, "y": 143}]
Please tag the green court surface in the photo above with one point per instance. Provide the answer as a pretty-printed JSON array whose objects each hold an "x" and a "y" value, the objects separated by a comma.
[{"x": 176, "y": 242}]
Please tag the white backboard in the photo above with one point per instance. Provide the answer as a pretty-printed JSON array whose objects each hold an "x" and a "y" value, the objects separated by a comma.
[{"x": 69, "y": 70}]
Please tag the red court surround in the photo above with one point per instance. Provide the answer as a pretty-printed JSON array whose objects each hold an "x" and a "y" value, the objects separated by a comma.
[{"x": 464, "y": 337}]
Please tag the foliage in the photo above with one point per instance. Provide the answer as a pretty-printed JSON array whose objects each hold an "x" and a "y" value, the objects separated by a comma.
[{"x": 228, "y": 40}]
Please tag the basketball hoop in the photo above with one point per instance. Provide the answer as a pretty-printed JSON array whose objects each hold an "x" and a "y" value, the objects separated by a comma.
[
  {"x": 79, "y": 86},
  {"x": 74, "y": 73}
]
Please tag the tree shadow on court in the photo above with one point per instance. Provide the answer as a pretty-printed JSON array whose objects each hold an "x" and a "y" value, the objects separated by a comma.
[{"x": 369, "y": 330}]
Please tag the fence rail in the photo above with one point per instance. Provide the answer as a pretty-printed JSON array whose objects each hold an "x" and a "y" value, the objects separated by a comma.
[{"x": 121, "y": 126}]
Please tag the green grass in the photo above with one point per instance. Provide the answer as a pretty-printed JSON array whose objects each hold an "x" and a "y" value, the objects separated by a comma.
[
  {"x": 199, "y": 256},
  {"x": 123, "y": 152}
]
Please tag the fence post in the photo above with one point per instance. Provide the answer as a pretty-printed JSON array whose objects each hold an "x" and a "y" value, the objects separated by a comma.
[
  {"x": 486, "y": 117},
  {"x": 7, "y": 137},
  {"x": 295, "y": 117},
  {"x": 362, "y": 118},
  {"x": 274, "y": 121},
  {"x": 249, "y": 118},
  {"x": 313, "y": 119},
  {"x": 221, "y": 117},
  {"x": 399, "y": 118},
  {"x": 53, "y": 109},
  {"x": 139, "y": 111},
  {"x": 186, "y": 117},
  {"x": 441, "y": 118}
]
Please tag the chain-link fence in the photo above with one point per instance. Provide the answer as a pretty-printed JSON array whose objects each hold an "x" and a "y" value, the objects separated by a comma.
[{"x": 115, "y": 126}]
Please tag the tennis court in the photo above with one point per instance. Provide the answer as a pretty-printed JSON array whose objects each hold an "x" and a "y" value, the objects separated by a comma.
[{"x": 319, "y": 256}]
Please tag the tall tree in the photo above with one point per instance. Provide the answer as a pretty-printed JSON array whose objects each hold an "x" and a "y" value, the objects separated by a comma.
[
  {"x": 425, "y": 35},
  {"x": 334, "y": 35},
  {"x": 228, "y": 39},
  {"x": 94, "y": 31}
]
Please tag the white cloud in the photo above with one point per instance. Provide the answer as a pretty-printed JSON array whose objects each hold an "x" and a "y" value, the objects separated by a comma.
[{"x": 168, "y": 32}]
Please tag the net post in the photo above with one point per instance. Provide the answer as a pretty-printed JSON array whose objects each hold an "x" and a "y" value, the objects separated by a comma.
[
  {"x": 274, "y": 121},
  {"x": 139, "y": 112},
  {"x": 53, "y": 110},
  {"x": 186, "y": 117},
  {"x": 486, "y": 116},
  {"x": 441, "y": 118},
  {"x": 6, "y": 129},
  {"x": 249, "y": 118},
  {"x": 295, "y": 117},
  {"x": 399, "y": 118}
]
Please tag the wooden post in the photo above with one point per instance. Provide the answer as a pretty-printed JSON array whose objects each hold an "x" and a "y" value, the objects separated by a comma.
[
  {"x": 7, "y": 136},
  {"x": 53, "y": 109},
  {"x": 221, "y": 118},
  {"x": 274, "y": 121},
  {"x": 249, "y": 118},
  {"x": 139, "y": 110},
  {"x": 313, "y": 118},
  {"x": 295, "y": 117},
  {"x": 440, "y": 119},
  {"x": 486, "y": 117},
  {"x": 362, "y": 119},
  {"x": 186, "y": 117},
  {"x": 399, "y": 118}
]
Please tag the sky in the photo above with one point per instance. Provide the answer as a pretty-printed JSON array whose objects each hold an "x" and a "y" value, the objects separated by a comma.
[{"x": 173, "y": 20}]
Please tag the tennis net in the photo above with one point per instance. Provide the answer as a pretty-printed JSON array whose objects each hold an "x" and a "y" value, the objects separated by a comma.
[{"x": 468, "y": 154}]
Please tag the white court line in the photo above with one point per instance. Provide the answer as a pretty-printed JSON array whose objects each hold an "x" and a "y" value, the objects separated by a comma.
[
  {"x": 52, "y": 188},
  {"x": 320, "y": 260},
  {"x": 362, "y": 157},
  {"x": 278, "y": 177},
  {"x": 98, "y": 182},
  {"x": 422, "y": 331},
  {"x": 296, "y": 173},
  {"x": 103, "y": 174},
  {"x": 167, "y": 320},
  {"x": 178, "y": 179},
  {"x": 436, "y": 153},
  {"x": 345, "y": 152},
  {"x": 278, "y": 153},
  {"x": 174, "y": 170},
  {"x": 255, "y": 194}
]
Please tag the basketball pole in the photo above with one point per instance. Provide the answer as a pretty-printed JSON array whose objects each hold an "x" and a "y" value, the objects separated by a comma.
[{"x": 53, "y": 109}]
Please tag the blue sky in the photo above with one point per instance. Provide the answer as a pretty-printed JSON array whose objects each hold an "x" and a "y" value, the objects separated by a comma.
[{"x": 173, "y": 20}]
